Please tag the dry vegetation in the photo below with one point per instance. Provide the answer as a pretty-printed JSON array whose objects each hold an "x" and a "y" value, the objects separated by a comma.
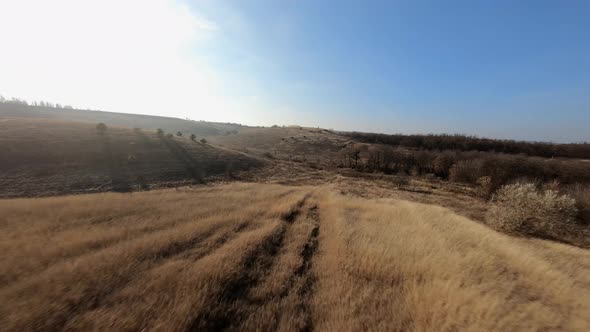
[
  {"x": 312, "y": 146},
  {"x": 43, "y": 157},
  {"x": 266, "y": 257},
  {"x": 200, "y": 128}
]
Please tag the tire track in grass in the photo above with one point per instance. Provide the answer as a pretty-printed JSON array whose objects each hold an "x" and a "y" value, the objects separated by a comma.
[
  {"x": 90, "y": 293},
  {"x": 306, "y": 278},
  {"x": 209, "y": 245},
  {"x": 255, "y": 265},
  {"x": 23, "y": 270},
  {"x": 294, "y": 310},
  {"x": 283, "y": 300}
]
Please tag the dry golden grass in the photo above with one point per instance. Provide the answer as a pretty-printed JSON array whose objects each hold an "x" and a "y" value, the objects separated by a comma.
[
  {"x": 268, "y": 257},
  {"x": 396, "y": 265}
]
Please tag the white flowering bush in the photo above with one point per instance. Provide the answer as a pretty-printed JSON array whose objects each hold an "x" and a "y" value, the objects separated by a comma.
[{"x": 523, "y": 209}]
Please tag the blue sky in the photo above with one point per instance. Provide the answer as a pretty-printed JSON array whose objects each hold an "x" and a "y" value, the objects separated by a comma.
[{"x": 508, "y": 69}]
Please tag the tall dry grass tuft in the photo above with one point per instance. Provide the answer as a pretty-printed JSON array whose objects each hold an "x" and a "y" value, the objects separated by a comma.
[
  {"x": 400, "y": 266},
  {"x": 581, "y": 193},
  {"x": 525, "y": 209}
]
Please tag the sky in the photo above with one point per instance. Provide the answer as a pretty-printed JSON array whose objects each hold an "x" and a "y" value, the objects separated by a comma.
[{"x": 503, "y": 69}]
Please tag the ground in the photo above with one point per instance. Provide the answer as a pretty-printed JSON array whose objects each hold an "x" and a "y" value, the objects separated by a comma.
[{"x": 265, "y": 257}]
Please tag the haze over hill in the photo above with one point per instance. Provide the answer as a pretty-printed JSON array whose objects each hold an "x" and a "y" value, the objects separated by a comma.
[
  {"x": 499, "y": 69},
  {"x": 168, "y": 124},
  {"x": 48, "y": 156}
]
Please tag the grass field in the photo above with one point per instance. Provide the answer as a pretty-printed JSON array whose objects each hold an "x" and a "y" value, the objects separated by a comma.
[{"x": 265, "y": 257}]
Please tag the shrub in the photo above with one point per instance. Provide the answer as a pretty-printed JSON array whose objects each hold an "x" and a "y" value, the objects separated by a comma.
[
  {"x": 142, "y": 183},
  {"x": 193, "y": 137},
  {"x": 442, "y": 164},
  {"x": 467, "y": 171},
  {"x": 524, "y": 209},
  {"x": 400, "y": 180},
  {"x": 204, "y": 141},
  {"x": 160, "y": 132},
  {"x": 179, "y": 133},
  {"x": 485, "y": 187},
  {"x": 101, "y": 128},
  {"x": 581, "y": 193}
]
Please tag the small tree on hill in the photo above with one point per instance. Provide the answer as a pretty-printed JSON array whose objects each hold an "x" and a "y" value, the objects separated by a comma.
[
  {"x": 179, "y": 133},
  {"x": 101, "y": 128},
  {"x": 204, "y": 141},
  {"x": 160, "y": 132},
  {"x": 193, "y": 137}
]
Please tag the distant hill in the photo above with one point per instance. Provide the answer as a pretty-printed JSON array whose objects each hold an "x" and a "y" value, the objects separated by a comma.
[
  {"x": 172, "y": 125},
  {"x": 48, "y": 156},
  {"x": 287, "y": 143}
]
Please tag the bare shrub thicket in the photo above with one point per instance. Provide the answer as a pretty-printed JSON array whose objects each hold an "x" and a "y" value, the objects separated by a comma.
[
  {"x": 466, "y": 171},
  {"x": 485, "y": 187},
  {"x": 470, "y": 167},
  {"x": 525, "y": 209},
  {"x": 472, "y": 143},
  {"x": 442, "y": 164},
  {"x": 581, "y": 193}
]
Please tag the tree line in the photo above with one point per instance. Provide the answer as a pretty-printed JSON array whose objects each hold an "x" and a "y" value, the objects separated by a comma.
[
  {"x": 17, "y": 101},
  {"x": 443, "y": 142},
  {"x": 470, "y": 167}
]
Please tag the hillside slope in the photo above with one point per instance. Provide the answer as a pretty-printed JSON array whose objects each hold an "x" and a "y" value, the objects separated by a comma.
[
  {"x": 171, "y": 125},
  {"x": 286, "y": 143},
  {"x": 252, "y": 257},
  {"x": 46, "y": 157}
]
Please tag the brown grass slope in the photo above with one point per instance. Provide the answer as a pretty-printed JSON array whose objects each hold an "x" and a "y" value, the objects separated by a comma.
[
  {"x": 168, "y": 124},
  {"x": 268, "y": 257},
  {"x": 47, "y": 157},
  {"x": 312, "y": 145}
]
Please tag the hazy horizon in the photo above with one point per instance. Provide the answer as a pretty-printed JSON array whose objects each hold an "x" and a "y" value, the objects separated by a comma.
[{"x": 500, "y": 70}]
